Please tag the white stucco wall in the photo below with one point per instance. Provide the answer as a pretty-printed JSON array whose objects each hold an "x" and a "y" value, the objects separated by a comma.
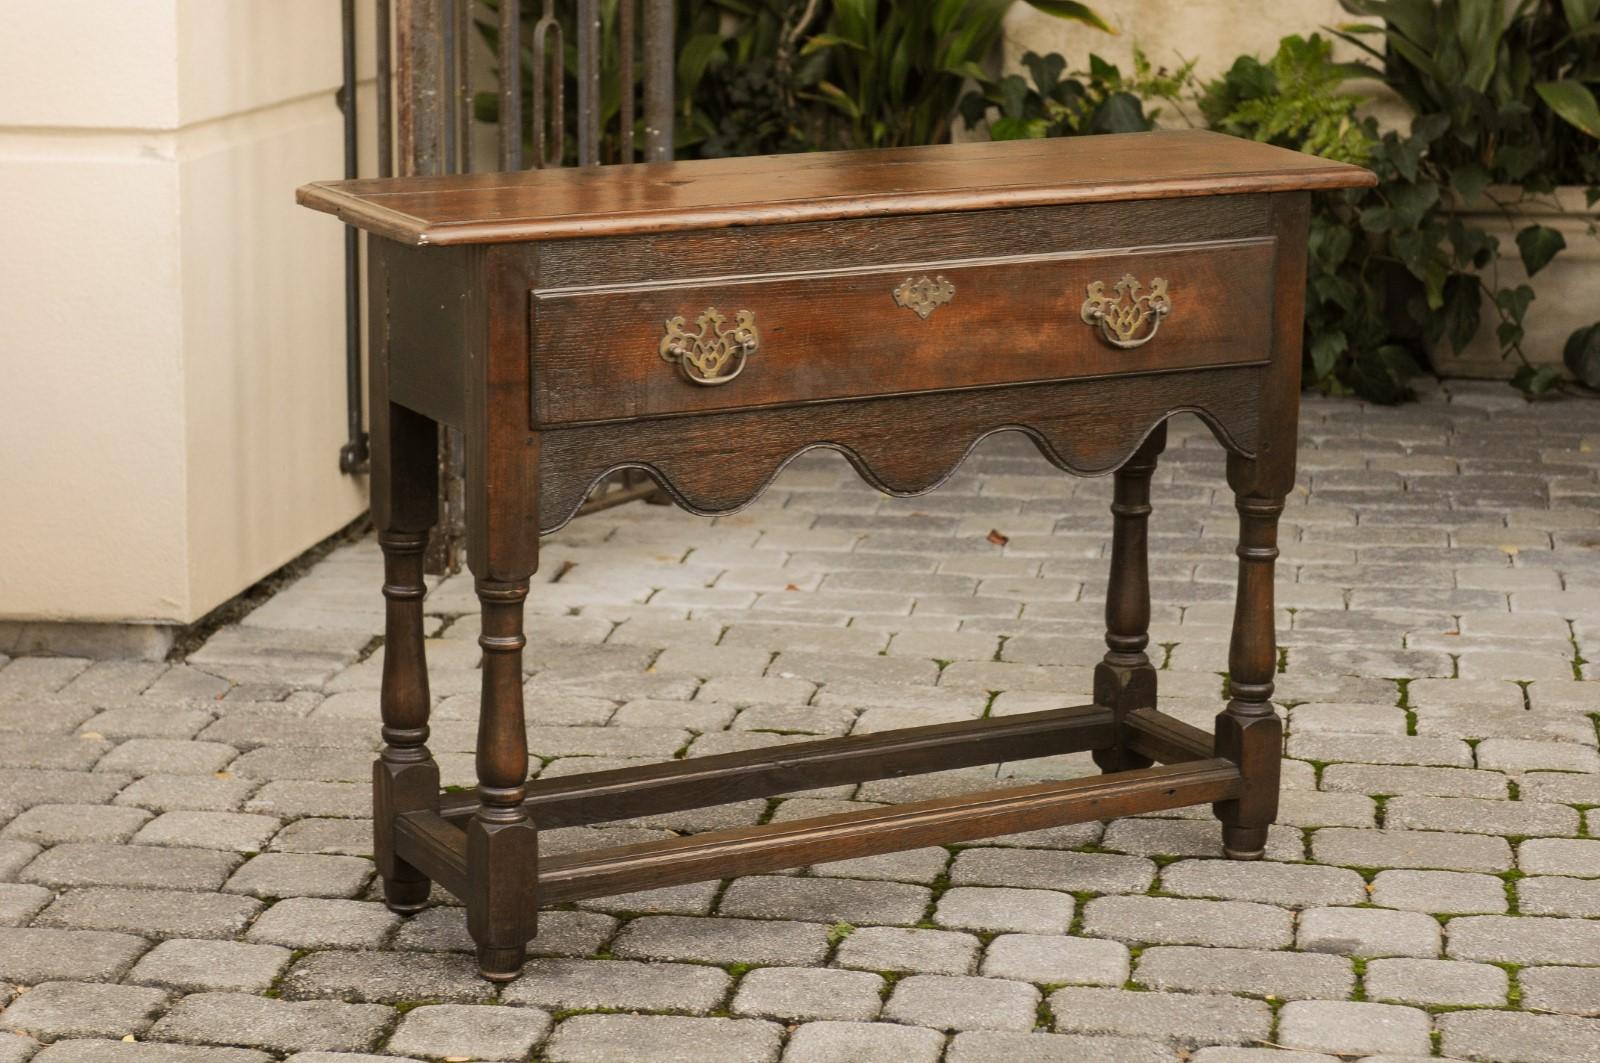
[{"x": 171, "y": 357}]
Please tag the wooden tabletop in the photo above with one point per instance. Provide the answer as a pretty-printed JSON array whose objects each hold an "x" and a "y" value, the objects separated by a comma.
[{"x": 485, "y": 208}]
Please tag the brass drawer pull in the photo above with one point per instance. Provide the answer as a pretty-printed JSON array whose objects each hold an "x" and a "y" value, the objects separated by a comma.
[
  {"x": 1120, "y": 321},
  {"x": 705, "y": 357}
]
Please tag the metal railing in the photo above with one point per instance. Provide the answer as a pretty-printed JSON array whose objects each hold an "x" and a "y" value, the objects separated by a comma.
[{"x": 434, "y": 70}]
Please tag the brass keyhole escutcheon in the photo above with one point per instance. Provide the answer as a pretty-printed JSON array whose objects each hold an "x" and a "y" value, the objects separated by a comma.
[{"x": 923, "y": 296}]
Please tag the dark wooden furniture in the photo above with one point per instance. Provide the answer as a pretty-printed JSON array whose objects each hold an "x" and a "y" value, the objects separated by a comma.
[{"x": 704, "y": 322}]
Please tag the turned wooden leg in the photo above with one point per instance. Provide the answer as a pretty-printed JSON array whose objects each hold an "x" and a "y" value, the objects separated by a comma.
[
  {"x": 405, "y": 777},
  {"x": 1126, "y": 680},
  {"x": 1249, "y": 732},
  {"x": 502, "y": 844}
]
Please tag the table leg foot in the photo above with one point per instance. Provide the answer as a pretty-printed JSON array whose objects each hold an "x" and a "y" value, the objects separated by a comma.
[
  {"x": 406, "y": 896},
  {"x": 501, "y": 963},
  {"x": 1244, "y": 843}
]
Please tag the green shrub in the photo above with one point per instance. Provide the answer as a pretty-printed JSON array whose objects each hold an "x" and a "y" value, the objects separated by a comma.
[
  {"x": 897, "y": 70},
  {"x": 1499, "y": 101},
  {"x": 1099, "y": 100}
]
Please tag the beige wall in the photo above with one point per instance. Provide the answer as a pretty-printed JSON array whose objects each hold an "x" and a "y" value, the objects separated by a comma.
[
  {"x": 171, "y": 361},
  {"x": 1213, "y": 32}
]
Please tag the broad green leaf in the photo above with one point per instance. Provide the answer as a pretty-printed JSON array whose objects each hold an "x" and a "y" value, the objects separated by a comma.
[
  {"x": 1469, "y": 180},
  {"x": 1582, "y": 356},
  {"x": 1326, "y": 351},
  {"x": 856, "y": 19},
  {"x": 1018, "y": 129},
  {"x": 1415, "y": 56},
  {"x": 1404, "y": 155},
  {"x": 1411, "y": 202},
  {"x": 946, "y": 13},
  {"x": 1536, "y": 380},
  {"x": 1514, "y": 302},
  {"x": 1046, "y": 70},
  {"x": 1434, "y": 279},
  {"x": 900, "y": 63},
  {"x": 1353, "y": 69},
  {"x": 1574, "y": 103},
  {"x": 1380, "y": 376},
  {"x": 833, "y": 94},
  {"x": 818, "y": 41},
  {"x": 1070, "y": 9},
  {"x": 1120, "y": 113},
  {"x": 1520, "y": 160},
  {"x": 1581, "y": 13},
  {"x": 693, "y": 58},
  {"x": 1013, "y": 97},
  {"x": 1376, "y": 219},
  {"x": 1330, "y": 244},
  {"x": 1481, "y": 25},
  {"x": 1348, "y": 34},
  {"x": 1414, "y": 18},
  {"x": 973, "y": 108},
  {"x": 1430, "y": 127},
  {"x": 1539, "y": 244}
]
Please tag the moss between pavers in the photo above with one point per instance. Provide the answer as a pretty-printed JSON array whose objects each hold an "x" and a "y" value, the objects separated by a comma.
[
  {"x": 1511, "y": 878},
  {"x": 1359, "y": 966}
]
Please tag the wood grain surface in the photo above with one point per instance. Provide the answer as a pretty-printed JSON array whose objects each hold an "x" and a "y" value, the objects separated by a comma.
[
  {"x": 906, "y": 445},
  {"x": 841, "y": 334},
  {"x": 779, "y": 189}
]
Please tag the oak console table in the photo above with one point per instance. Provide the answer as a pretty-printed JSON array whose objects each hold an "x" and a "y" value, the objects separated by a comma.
[{"x": 705, "y": 322}]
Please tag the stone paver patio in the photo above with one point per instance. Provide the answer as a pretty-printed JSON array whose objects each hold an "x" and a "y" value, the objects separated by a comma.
[{"x": 183, "y": 870}]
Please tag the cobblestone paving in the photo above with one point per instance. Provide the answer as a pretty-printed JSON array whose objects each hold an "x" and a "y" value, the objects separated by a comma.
[{"x": 183, "y": 854}]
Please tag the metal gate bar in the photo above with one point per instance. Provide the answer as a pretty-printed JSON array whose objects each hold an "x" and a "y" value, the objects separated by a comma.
[{"x": 425, "y": 125}]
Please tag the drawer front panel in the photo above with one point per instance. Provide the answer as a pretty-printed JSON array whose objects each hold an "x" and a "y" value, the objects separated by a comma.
[{"x": 649, "y": 350}]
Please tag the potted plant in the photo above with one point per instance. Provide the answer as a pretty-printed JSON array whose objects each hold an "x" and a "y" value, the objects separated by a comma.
[{"x": 1517, "y": 160}]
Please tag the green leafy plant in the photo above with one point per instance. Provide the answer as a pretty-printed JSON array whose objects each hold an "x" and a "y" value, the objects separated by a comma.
[
  {"x": 1295, "y": 99},
  {"x": 1493, "y": 76},
  {"x": 772, "y": 76},
  {"x": 1480, "y": 83},
  {"x": 1582, "y": 356},
  {"x": 739, "y": 78},
  {"x": 1570, "y": 64},
  {"x": 1050, "y": 104},
  {"x": 1360, "y": 337},
  {"x": 744, "y": 86},
  {"x": 897, "y": 70}
]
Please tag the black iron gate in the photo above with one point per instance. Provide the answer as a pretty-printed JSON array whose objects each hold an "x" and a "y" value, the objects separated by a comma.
[{"x": 449, "y": 72}]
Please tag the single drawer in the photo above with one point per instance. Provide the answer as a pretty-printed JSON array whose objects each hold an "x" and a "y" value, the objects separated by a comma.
[{"x": 660, "y": 349}]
